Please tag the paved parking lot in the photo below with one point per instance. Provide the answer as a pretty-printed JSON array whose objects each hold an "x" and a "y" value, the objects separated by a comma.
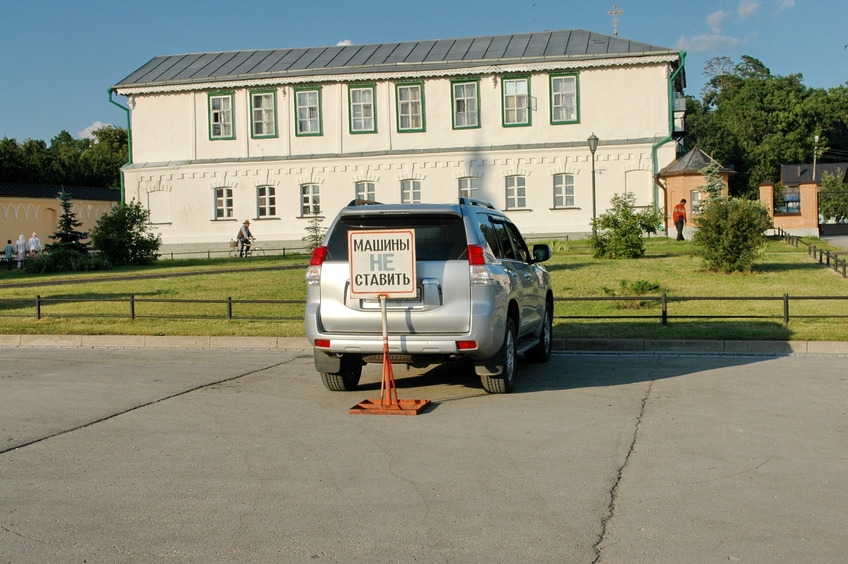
[{"x": 178, "y": 455}]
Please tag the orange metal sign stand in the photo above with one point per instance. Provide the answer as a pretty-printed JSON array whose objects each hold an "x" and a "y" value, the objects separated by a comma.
[{"x": 388, "y": 404}]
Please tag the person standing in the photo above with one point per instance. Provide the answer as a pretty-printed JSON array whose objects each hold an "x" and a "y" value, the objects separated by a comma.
[
  {"x": 34, "y": 245},
  {"x": 21, "y": 249},
  {"x": 10, "y": 251},
  {"x": 244, "y": 237},
  {"x": 679, "y": 216}
]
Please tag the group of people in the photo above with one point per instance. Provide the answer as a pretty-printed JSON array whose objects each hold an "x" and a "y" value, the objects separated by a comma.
[{"x": 22, "y": 249}]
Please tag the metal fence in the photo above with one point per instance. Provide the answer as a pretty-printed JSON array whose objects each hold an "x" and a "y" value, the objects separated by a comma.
[
  {"x": 830, "y": 259},
  {"x": 133, "y": 307}
]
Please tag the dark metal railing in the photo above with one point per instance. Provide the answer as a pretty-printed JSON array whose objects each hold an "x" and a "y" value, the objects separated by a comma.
[
  {"x": 831, "y": 259},
  {"x": 133, "y": 307}
]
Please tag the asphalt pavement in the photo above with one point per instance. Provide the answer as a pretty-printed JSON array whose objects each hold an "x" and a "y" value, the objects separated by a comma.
[{"x": 146, "y": 454}]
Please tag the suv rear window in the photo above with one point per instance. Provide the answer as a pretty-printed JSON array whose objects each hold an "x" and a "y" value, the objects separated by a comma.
[{"x": 436, "y": 237}]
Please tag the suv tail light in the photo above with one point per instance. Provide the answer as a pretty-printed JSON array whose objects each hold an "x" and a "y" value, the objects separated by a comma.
[
  {"x": 480, "y": 273},
  {"x": 475, "y": 255},
  {"x": 313, "y": 273}
]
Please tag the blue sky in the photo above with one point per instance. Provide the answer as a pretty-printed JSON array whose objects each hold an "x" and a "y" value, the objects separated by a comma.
[{"x": 58, "y": 57}]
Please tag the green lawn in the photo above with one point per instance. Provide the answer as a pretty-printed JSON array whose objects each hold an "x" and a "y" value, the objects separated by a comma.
[{"x": 670, "y": 265}]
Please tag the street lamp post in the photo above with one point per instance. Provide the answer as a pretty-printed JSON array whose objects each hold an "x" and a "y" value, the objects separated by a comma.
[{"x": 593, "y": 146}]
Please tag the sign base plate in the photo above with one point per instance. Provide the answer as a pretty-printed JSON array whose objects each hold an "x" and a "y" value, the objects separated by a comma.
[{"x": 382, "y": 407}]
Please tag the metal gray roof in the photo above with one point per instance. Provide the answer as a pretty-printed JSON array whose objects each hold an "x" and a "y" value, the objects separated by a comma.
[
  {"x": 692, "y": 163},
  {"x": 437, "y": 54},
  {"x": 795, "y": 174}
]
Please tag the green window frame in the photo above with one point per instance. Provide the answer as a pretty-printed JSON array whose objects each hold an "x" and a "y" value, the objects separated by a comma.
[
  {"x": 565, "y": 98},
  {"x": 221, "y": 116},
  {"x": 410, "y": 107},
  {"x": 465, "y": 97},
  {"x": 515, "y": 94},
  {"x": 362, "y": 108},
  {"x": 307, "y": 111},
  {"x": 263, "y": 114}
]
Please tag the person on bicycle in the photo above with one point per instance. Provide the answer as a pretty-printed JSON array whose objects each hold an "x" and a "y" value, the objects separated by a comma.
[{"x": 244, "y": 237}]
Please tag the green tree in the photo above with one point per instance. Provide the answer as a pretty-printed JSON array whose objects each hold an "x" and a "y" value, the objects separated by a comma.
[
  {"x": 731, "y": 234},
  {"x": 618, "y": 232},
  {"x": 833, "y": 197},
  {"x": 123, "y": 237},
  {"x": 314, "y": 230},
  {"x": 67, "y": 236},
  {"x": 753, "y": 121}
]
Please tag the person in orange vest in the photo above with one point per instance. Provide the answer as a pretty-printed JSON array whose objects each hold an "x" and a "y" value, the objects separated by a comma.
[{"x": 679, "y": 216}]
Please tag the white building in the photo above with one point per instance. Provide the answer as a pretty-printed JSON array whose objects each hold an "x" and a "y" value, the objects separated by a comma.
[{"x": 273, "y": 135}]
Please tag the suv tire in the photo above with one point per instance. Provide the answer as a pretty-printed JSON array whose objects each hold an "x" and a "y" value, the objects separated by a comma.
[
  {"x": 347, "y": 378},
  {"x": 504, "y": 382},
  {"x": 542, "y": 352}
]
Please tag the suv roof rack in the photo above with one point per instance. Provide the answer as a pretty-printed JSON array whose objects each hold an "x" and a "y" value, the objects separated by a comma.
[
  {"x": 472, "y": 202},
  {"x": 363, "y": 203}
]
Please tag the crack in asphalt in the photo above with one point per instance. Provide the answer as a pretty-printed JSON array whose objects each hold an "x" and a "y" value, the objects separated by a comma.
[
  {"x": 613, "y": 494},
  {"x": 141, "y": 406}
]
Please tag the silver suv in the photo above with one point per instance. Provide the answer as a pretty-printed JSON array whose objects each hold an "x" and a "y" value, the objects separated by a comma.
[{"x": 482, "y": 297}]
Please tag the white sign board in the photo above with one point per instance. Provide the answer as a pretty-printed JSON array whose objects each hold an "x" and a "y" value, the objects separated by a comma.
[{"x": 382, "y": 263}]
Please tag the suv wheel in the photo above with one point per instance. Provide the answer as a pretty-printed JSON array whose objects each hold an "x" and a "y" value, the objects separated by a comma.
[
  {"x": 503, "y": 383},
  {"x": 347, "y": 378},
  {"x": 542, "y": 351}
]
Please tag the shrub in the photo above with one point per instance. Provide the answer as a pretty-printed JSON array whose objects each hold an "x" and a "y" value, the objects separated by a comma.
[
  {"x": 632, "y": 289},
  {"x": 731, "y": 234},
  {"x": 122, "y": 236},
  {"x": 64, "y": 259},
  {"x": 618, "y": 232}
]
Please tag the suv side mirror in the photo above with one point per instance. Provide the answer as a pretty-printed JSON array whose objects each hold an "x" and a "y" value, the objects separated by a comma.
[{"x": 541, "y": 252}]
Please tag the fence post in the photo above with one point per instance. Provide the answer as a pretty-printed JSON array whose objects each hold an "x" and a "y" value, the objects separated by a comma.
[
  {"x": 786, "y": 309},
  {"x": 664, "y": 309},
  {"x": 38, "y": 307},
  {"x": 132, "y": 306},
  {"x": 229, "y": 307}
]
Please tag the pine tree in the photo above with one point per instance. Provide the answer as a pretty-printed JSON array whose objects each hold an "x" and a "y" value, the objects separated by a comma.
[{"x": 68, "y": 236}]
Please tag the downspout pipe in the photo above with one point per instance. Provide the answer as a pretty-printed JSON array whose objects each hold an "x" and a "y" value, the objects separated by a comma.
[
  {"x": 129, "y": 141},
  {"x": 657, "y": 146}
]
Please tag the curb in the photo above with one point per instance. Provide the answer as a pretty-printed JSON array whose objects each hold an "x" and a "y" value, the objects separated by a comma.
[{"x": 559, "y": 345}]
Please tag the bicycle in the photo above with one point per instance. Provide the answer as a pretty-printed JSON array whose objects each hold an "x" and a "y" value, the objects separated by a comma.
[{"x": 250, "y": 249}]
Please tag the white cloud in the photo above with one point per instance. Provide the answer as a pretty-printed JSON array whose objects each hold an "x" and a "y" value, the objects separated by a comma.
[
  {"x": 706, "y": 43},
  {"x": 784, "y": 5},
  {"x": 748, "y": 8},
  {"x": 88, "y": 132},
  {"x": 715, "y": 20},
  {"x": 344, "y": 43}
]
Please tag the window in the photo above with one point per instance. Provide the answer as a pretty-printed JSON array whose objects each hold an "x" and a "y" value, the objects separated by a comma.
[
  {"x": 468, "y": 187},
  {"x": 310, "y": 203},
  {"x": 410, "y": 192},
  {"x": 564, "y": 98},
  {"x": 263, "y": 114},
  {"x": 516, "y": 193},
  {"x": 787, "y": 199},
  {"x": 465, "y": 106},
  {"x": 221, "y": 116},
  {"x": 362, "y": 118},
  {"x": 516, "y": 101},
  {"x": 365, "y": 191},
  {"x": 563, "y": 190},
  {"x": 266, "y": 201},
  {"x": 223, "y": 203},
  {"x": 410, "y": 107},
  {"x": 308, "y": 111}
]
